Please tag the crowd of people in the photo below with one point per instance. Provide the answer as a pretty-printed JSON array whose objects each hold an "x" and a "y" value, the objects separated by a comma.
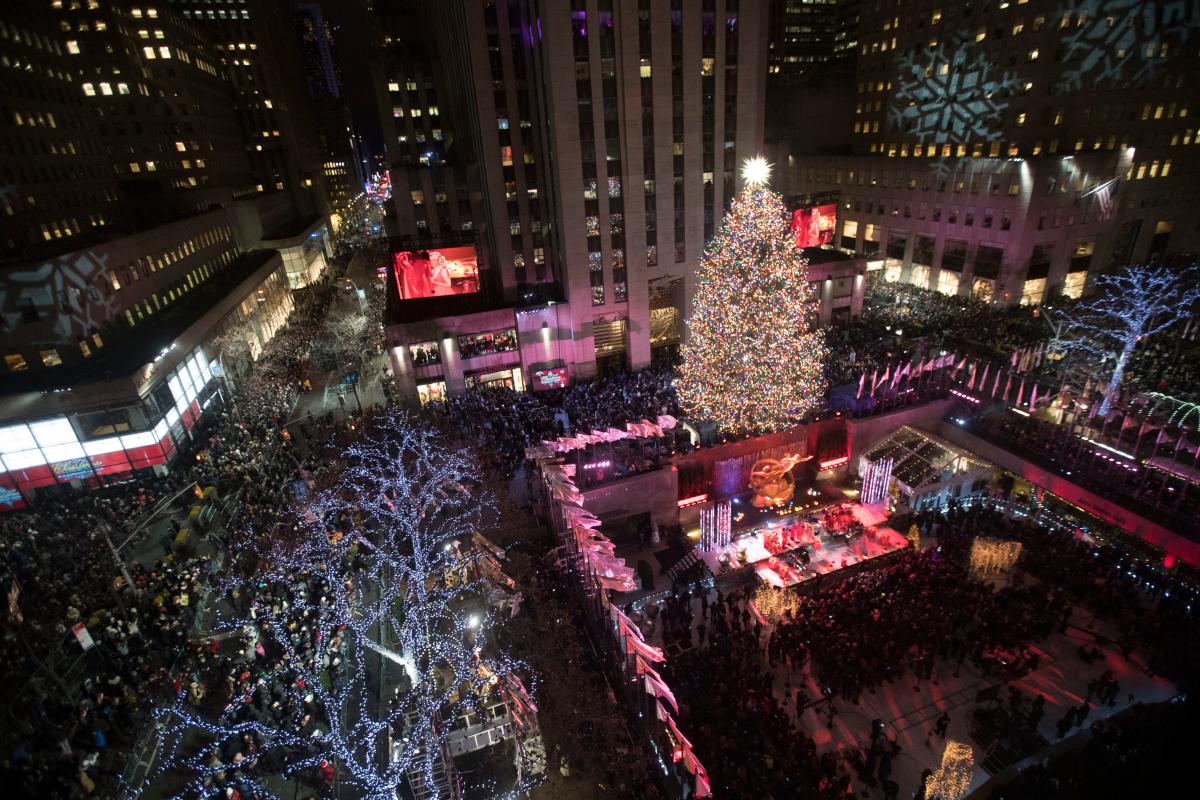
[
  {"x": 504, "y": 422},
  {"x": 57, "y": 566},
  {"x": 905, "y": 618}
]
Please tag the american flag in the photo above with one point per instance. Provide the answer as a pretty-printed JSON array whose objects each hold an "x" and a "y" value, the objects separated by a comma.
[{"x": 1104, "y": 200}]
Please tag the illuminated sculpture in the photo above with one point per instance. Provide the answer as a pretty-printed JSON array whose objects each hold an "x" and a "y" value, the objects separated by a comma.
[
  {"x": 952, "y": 779},
  {"x": 754, "y": 357},
  {"x": 993, "y": 557},
  {"x": 772, "y": 481}
]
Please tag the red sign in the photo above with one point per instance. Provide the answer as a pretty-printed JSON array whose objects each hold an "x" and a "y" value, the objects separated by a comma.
[
  {"x": 550, "y": 378},
  {"x": 813, "y": 226}
]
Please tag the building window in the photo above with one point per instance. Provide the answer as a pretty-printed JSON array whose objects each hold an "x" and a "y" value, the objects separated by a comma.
[
  {"x": 425, "y": 353},
  {"x": 947, "y": 282},
  {"x": 482, "y": 344},
  {"x": 15, "y": 362},
  {"x": 1073, "y": 285},
  {"x": 50, "y": 358},
  {"x": 1032, "y": 292}
]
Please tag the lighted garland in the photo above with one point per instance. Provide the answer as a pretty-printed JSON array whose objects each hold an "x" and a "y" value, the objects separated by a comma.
[
  {"x": 993, "y": 557},
  {"x": 951, "y": 780},
  {"x": 775, "y": 604},
  {"x": 754, "y": 359},
  {"x": 373, "y": 564}
]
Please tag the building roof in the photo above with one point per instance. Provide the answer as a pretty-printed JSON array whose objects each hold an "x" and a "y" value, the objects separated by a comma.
[
  {"x": 920, "y": 459},
  {"x": 292, "y": 228},
  {"x": 822, "y": 255},
  {"x": 124, "y": 355}
]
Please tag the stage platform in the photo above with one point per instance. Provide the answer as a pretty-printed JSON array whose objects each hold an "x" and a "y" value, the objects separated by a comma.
[{"x": 786, "y": 551}]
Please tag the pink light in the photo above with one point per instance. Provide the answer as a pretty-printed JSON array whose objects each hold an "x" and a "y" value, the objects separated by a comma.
[{"x": 693, "y": 501}]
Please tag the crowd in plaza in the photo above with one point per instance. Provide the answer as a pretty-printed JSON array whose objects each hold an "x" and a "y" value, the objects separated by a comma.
[
  {"x": 78, "y": 728},
  {"x": 903, "y": 620},
  {"x": 504, "y": 422}
]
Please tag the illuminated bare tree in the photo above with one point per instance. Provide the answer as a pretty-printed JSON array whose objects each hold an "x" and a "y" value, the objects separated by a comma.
[
  {"x": 1135, "y": 303},
  {"x": 370, "y": 571}
]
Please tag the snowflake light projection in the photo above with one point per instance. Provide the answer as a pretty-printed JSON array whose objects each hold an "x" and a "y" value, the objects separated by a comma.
[
  {"x": 1114, "y": 41},
  {"x": 373, "y": 570},
  {"x": 955, "y": 96}
]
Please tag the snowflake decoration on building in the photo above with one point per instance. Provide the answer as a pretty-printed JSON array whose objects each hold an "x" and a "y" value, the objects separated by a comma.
[
  {"x": 950, "y": 96},
  {"x": 1114, "y": 41}
]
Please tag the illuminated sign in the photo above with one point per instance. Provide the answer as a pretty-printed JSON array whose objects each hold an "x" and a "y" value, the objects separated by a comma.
[
  {"x": 835, "y": 462},
  {"x": 693, "y": 501},
  {"x": 813, "y": 225},
  {"x": 550, "y": 378},
  {"x": 436, "y": 273}
]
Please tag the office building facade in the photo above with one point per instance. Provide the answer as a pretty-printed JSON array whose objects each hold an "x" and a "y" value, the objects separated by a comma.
[
  {"x": 1007, "y": 151},
  {"x": 594, "y": 146}
]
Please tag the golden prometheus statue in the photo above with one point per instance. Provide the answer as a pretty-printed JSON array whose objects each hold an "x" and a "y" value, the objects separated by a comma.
[{"x": 772, "y": 481}]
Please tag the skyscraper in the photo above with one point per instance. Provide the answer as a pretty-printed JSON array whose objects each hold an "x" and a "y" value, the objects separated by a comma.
[
  {"x": 602, "y": 140},
  {"x": 1003, "y": 151},
  {"x": 262, "y": 55}
]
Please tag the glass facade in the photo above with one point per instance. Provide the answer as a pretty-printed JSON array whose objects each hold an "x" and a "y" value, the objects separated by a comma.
[{"x": 61, "y": 449}]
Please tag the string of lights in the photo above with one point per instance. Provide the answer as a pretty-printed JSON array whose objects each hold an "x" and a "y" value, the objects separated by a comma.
[
  {"x": 754, "y": 357},
  {"x": 371, "y": 571}
]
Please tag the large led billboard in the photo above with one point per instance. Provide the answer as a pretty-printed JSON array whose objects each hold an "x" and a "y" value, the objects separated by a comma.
[
  {"x": 813, "y": 225},
  {"x": 436, "y": 272}
]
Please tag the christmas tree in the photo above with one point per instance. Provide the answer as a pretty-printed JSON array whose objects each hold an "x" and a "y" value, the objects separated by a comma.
[{"x": 754, "y": 360}]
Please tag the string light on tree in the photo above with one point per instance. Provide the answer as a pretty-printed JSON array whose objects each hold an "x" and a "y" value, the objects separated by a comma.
[
  {"x": 754, "y": 357},
  {"x": 382, "y": 590}
]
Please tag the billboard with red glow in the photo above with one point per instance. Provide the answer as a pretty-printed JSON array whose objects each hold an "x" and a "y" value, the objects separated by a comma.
[
  {"x": 813, "y": 225},
  {"x": 550, "y": 378},
  {"x": 437, "y": 272}
]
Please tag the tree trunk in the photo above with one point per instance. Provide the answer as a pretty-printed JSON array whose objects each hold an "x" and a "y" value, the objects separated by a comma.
[{"x": 1114, "y": 382}]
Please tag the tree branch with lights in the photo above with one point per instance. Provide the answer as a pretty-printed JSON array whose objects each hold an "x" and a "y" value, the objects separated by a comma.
[
  {"x": 1130, "y": 305},
  {"x": 372, "y": 572},
  {"x": 754, "y": 358}
]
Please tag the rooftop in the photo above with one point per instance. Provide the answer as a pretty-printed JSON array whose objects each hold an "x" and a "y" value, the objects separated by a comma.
[
  {"x": 292, "y": 228},
  {"x": 126, "y": 352}
]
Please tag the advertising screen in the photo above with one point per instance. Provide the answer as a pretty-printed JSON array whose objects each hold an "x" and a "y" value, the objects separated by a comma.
[
  {"x": 813, "y": 226},
  {"x": 550, "y": 378},
  {"x": 437, "y": 272}
]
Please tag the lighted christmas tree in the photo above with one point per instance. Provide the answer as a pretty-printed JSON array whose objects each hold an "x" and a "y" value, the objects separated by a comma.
[{"x": 754, "y": 358}]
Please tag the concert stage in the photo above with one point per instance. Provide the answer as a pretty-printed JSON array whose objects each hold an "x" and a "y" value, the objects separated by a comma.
[{"x": 791, "y": 549}]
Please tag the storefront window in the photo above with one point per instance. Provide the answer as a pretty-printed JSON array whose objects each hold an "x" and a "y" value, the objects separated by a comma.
[
  {"x": 1031, "y": 294},
  {"x": 505, "y": 378},
  {"x": 982, "y": 290},
  {"x": 482, "y": 344},
  {"x": 1073, "y": 285},
  {"x": 432, "y": 392},
  {"x": 425, "y": 353},
  {"x": 947, "y": 282}
]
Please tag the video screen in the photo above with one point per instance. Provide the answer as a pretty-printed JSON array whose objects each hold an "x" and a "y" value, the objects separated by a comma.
[
  {"x": 813, "y": 226},
  {"x": 436, "y": 273}
]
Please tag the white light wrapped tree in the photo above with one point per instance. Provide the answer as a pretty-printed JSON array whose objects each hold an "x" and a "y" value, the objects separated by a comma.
[
  {"x": 371, "y": 573},
  {"x": 1130, "y": 305}
]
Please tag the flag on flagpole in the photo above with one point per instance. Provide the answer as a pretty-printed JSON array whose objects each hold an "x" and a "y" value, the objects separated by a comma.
[
  {"x": 861, "y": 380},
  {"x": 971, "y": 383},
  {"x": 1021, "y": 392},
  {"x": 1033, "y": 398},
  {"x": 1013, "y": 361},
  {"x": 1007, "y": 384},
  {"x": 1163, "y": 437}
]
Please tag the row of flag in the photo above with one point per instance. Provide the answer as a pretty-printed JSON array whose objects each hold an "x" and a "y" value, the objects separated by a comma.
[
  {"x": 633, "y": 430},
  {"x": 643, "y": 655},
  {"x": 612, "y": 573}
]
